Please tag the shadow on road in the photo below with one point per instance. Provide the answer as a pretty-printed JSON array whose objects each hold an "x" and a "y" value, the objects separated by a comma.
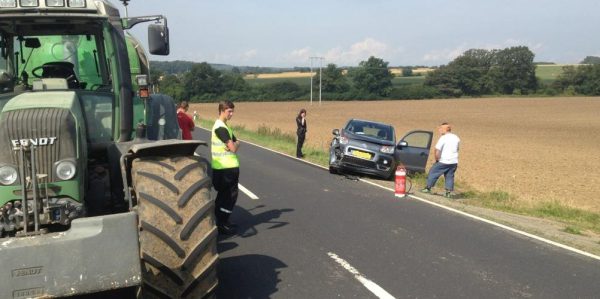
[
  {"x": 247, "y": 221},
  {"x": 248, "y": 276}
]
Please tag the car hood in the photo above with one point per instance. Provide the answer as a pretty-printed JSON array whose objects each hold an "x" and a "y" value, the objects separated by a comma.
[{"x": 353, "y": 136}]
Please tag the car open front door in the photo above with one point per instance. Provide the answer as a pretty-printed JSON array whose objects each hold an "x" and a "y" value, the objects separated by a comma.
[{"x": 413, "y": 150}]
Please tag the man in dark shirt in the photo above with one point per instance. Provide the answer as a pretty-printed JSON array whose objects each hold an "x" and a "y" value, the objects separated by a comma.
[{"x": 226, "y": 168}]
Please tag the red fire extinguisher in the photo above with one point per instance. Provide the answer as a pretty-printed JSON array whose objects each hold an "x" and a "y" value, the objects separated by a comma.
[{"x": 400, "y": 190}]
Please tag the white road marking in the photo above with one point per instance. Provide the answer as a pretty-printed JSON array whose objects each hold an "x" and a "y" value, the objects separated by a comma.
[
  {"x": 520, "y": 232},
  {"x": 370, "y": 285},
  {"x": 247, "y": 192}
]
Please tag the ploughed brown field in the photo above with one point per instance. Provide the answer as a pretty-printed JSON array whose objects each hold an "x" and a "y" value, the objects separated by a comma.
[{"x": 537, "y": 149}]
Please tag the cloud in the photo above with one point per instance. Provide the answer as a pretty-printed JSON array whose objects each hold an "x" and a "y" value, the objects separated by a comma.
[
  {"x": 358, "y": 52},
  {"x": 351, "y": 55},
  {"x": 443, "y": 55},
  {"x": 300, "y": 54},
  {"x": 249, "y": 54}
]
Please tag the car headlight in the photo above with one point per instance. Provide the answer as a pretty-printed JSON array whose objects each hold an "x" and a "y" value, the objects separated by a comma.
[
  {"x": 387, "y": 149},
  {"x": 343, "y": 140},
  {"x": 65, "y": 170},
  {"x": 8, "y": 175}
]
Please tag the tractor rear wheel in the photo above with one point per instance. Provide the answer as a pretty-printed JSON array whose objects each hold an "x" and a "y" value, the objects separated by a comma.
[{"x": 178, "y": 235}]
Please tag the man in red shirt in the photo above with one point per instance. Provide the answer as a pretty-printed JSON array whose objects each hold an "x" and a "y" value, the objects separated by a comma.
[{"x": 185, "y": 121}]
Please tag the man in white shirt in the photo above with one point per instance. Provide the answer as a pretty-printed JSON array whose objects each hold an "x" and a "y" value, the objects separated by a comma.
[{"x": 446, "y": 160}]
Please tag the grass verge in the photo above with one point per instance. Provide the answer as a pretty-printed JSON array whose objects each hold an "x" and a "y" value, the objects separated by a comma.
[{"x": 577, "y": 220}]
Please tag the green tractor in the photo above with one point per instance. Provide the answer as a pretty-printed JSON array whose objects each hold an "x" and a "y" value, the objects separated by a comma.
[{"x": 97, "y": 192}]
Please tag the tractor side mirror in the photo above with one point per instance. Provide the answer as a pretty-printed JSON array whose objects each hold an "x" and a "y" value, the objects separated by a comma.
[
  {"x": 158, "y": 39},
  {"x": 335, "y": 132},
  {"x": 402, "y": 144}
]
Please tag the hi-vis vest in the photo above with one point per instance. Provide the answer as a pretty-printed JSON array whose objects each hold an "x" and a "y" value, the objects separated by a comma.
[{"x": 221, "y": 157}]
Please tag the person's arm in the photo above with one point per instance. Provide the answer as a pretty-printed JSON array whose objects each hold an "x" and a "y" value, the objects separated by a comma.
[
  {"x": 233, "y": 146},
  {"x": 192, "y": 124},
  {"x": 438, "y": 149},
  {"x": 230, "y": 145}
]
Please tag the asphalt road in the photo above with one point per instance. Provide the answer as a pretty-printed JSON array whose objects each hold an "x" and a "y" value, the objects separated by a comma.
[{"x": 311, "y": 234}]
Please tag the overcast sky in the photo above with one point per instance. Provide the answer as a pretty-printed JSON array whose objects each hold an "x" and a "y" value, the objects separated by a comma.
[{"x": 285, "y": 33}]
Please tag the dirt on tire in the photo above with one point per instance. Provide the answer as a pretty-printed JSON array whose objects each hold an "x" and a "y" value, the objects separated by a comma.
[{"x": 178, "y": 236}]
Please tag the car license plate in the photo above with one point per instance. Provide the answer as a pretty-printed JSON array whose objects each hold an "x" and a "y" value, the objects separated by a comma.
[{"x": 362, "y": 155}]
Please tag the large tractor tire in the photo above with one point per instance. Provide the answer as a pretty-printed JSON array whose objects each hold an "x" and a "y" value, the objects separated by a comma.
[{"x": 177, "y": 227}]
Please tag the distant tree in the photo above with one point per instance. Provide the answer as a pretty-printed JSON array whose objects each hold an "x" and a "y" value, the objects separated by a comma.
[
  {"x": 171, "y": 85},
  {"x": 203, "y": 80},
  {"x": 372, "y": 76},
  {"x": 234, "y": 82},
  {"x": 513, "y": 69},
  {"x": 591, "y": 60},
  {"x": 154, "y": 79},
  {"x": 332, "y": 79},
  {"x": 445, "y": 80},
  {"x": 479, "y": 71},
  {"x": 583, "y": 79},
  {"x": 285, "y": 90},
  {"x": 467, "y": 74}
]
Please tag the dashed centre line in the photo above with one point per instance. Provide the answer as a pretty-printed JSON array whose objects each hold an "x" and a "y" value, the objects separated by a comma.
[
  {"x": 370, "y": 285},
  {"x": 247, "y": 192}
]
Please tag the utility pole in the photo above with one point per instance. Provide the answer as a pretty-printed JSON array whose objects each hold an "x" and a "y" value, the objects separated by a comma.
[
  {"x": 125, "y": 4},
  {"x": 320, "y": 76}
]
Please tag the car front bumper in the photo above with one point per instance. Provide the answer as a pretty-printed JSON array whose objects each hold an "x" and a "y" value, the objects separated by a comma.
[{"x": 379, "y": 164}]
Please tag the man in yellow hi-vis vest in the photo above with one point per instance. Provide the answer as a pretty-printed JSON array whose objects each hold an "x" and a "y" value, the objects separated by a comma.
[{"x": 226, "y": 168}]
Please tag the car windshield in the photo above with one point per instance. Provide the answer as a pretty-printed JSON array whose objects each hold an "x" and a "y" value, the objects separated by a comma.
[{"x": 370, "y": 129}]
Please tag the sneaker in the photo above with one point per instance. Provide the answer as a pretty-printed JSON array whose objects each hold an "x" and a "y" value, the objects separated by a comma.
[
  {"x": 448, "y": 194},
  {"x": 425, "y": 190},
  {"x": 226, "y": 230}
]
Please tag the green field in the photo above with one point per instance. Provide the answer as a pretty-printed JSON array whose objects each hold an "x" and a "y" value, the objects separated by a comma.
[
  {"x": 264, "y": 81},
  {"x": 545, "y": 72},
  {"x": 548, "y": 72}
]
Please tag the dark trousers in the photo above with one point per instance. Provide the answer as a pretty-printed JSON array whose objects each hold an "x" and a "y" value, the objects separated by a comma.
[
  {"x": 301, "y": 138},
  {"x": 225, "y": 182}
]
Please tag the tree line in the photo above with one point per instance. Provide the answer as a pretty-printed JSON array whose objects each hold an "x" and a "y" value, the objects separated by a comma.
[{"x": 476, "y": 72}]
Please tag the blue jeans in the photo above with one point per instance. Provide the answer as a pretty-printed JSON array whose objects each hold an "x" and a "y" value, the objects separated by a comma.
[{"x": 437, "y": 170}]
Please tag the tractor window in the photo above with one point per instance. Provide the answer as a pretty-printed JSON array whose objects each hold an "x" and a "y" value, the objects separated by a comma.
[
  {"x": 5, "y": 76},
  {"x": 98, "y": 110},
  {"x": 72, "y": 57}
]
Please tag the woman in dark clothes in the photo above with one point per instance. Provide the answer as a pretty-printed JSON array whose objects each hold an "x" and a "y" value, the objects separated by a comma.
[{"x": 301, "y": 132}]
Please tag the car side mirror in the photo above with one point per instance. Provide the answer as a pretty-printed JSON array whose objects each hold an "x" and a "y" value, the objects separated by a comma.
[
  {"x": 335, "y": 132},
  {"x": 158, "y": 39},
  {"x": 402, "y": 144}
]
